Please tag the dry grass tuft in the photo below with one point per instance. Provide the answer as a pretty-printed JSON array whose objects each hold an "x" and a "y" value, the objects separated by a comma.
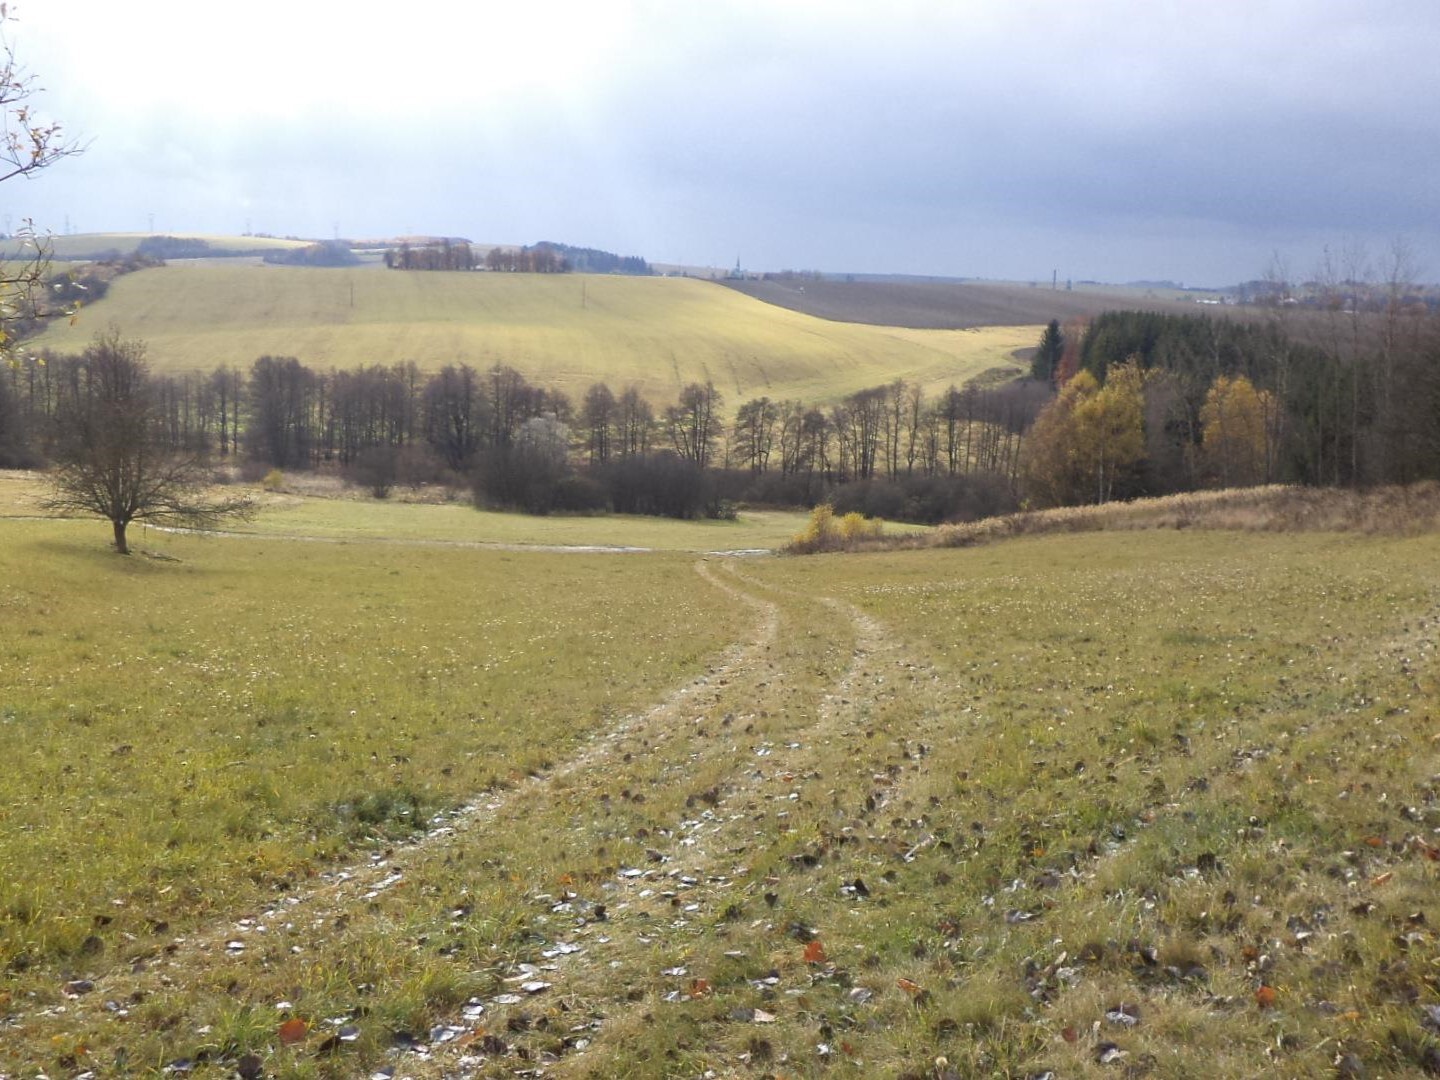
[{"x": 1387, "y": 511}]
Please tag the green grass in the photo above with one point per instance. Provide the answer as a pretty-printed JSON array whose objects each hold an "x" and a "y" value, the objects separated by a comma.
[
  {"x": 1143, "y": 704},
  {"x": 562, "y": 331},
  {"x": 1005, "y": 788},
  {"x": 345, "y": 515},
  {"x": 461, "y": 523},
  {"x": 184, "y": 733}
]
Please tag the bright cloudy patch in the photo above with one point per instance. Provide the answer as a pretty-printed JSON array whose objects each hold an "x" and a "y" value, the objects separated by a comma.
[{"x": 1105, "y": 140}]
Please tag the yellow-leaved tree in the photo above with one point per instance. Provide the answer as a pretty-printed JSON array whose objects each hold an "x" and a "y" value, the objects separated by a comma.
[
  {"x": 1050, "y": 459},
  {"x": 1236, "y": 427},
  {"x": 1088, "y": 439},
  {"x": 1111, "y": 427}
]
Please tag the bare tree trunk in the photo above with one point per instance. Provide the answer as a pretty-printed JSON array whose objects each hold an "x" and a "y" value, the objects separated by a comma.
[{"x": 121, "y": 548}]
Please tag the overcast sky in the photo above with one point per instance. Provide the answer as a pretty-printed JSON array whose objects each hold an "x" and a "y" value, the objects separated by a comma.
[{"x": 1107, "y": 140}]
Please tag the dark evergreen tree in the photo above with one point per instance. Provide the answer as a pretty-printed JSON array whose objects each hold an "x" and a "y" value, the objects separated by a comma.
[{"x": 1047, "y": 357}]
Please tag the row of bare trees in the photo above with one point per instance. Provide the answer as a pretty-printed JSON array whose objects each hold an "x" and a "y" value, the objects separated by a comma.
[
  {"x": 466, "y": 421},
  {"x": 444, "y": 255},
  {"x": 289, "y": 415},
  {"x": 893, "y": 430}
]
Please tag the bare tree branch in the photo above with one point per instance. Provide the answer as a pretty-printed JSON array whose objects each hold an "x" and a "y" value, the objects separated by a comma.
[{"x": 28, "y": 144}]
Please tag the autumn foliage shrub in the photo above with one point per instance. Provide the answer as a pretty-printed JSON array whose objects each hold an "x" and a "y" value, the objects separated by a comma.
[
  {"x": 824, "y": 532},
  {"x": 855, "y": 526},
  {"x": 819, "y": 534}
]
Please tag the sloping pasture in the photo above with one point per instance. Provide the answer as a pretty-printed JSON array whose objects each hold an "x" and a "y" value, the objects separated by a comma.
[
  {"x": 1083, "y": 803},
  {"x": 562, "y": 331}
]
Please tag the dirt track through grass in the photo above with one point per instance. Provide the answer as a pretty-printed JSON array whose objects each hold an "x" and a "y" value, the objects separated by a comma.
[
  {"x": 759, "y": 747},
  {"x": 955, "y": 806}
]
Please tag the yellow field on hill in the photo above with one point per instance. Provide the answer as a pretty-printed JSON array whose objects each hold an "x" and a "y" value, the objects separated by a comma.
[{"x": 560, "y": 331}]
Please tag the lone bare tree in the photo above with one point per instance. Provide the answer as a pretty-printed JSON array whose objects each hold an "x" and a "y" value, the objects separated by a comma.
[{"x": 110, "y": 460}]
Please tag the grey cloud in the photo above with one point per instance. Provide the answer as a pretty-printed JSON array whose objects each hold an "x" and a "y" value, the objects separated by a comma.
[{"x": 1125, "y": 141}]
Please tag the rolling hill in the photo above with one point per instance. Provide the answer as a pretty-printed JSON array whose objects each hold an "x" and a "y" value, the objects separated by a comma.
[
  {"x": 563, "y": 331},
  {"x": 954, "y": 305}
]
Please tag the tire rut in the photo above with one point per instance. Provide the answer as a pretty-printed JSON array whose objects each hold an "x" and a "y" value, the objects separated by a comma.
[{"x": 700, "y": 871}]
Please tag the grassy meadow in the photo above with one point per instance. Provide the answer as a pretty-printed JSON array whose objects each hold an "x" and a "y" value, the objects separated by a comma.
[
  {"x": 1140, "y": 803},
  {"x": 191, "y": 734},
  {"x": 562, "y": 331},
  {"x": 324, "y": 509},
  {"x": 460, "y": 523}
]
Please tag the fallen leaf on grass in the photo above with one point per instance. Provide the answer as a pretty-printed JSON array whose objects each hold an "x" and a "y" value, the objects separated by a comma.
[
  {"x": 1266, "y": 996},
  {"x": 815, "y": 953},
  {"x": 1382, "y": 879},
  {"x": 1107, "y": 1052},
  {"x": 292, "y": 1032},
  {"x": 699, "y": 988},
  {"x": 1430, "y": 851},
  {"x": 1125, "y": 1014}
]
